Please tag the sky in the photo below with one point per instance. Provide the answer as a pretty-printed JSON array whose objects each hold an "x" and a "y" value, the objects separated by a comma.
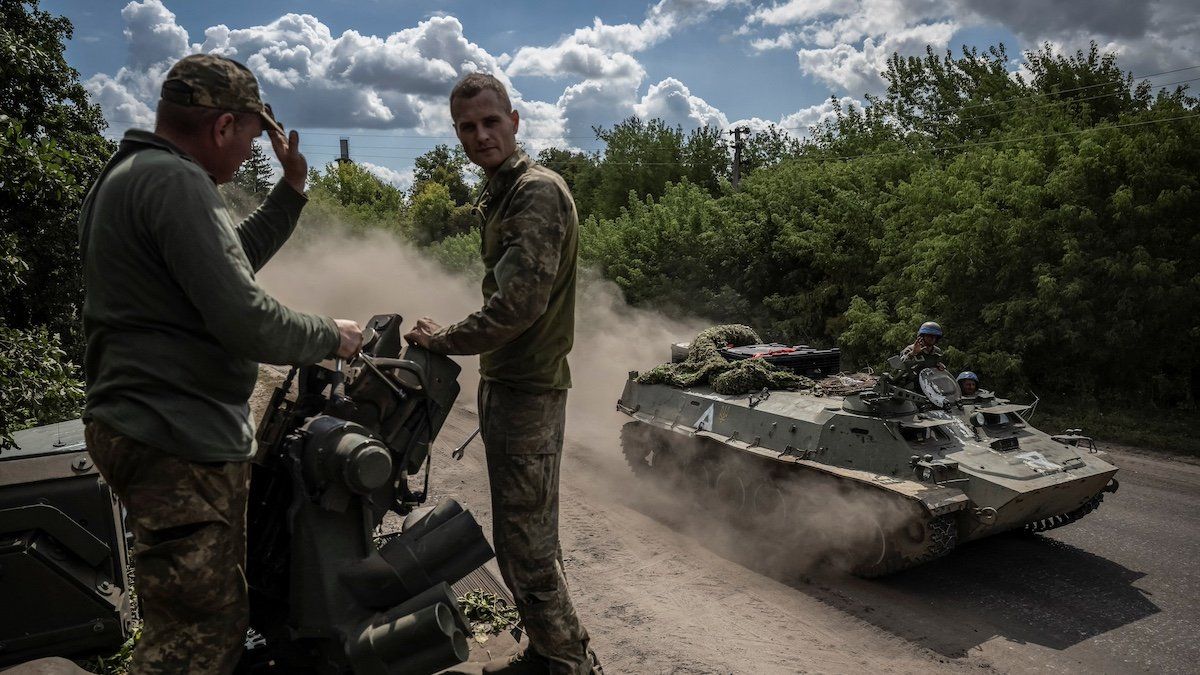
[{"x": 379, "y": 71}]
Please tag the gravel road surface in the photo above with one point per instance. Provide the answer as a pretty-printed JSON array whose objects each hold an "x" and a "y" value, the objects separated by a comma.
[{"x": 663, "y": 587}]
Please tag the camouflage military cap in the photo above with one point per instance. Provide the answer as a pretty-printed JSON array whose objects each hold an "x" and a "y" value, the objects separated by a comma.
[{"x": 213, "y": 81}]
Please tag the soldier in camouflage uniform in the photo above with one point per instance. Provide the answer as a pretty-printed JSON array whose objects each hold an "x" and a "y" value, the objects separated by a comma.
[
  {"x": 921, "y": 354},
  {"x": 175, "y": 324},
  {"x": 522, "y": 334}
]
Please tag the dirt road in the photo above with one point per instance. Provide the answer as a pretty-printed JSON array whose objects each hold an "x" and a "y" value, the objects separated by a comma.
[{"x": 664, "y": 588}]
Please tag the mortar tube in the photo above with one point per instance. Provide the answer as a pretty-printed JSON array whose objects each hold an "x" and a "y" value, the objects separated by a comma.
[
  {"x": 448, "y": 551},
  {"x": 440, "y": 593},
  {"x": 378, "y": 584},
  {"x": 436, "y": 516},
  {"x": 424, "y": 642},
  {"x": 433, "y": 658}
]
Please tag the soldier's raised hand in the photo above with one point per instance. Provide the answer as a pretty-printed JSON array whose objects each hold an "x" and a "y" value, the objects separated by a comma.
[{"x": 287, "y": 151}]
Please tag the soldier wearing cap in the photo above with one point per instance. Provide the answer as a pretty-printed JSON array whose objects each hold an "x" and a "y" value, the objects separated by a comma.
[
  {"x": 523, "y": 334},
  {"x": 175, "y": 326}
]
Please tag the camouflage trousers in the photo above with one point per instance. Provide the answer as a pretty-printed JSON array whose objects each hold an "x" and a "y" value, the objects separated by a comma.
[
  {"x": 523, "y": 438},
  {"x": 189, "y": 526}
]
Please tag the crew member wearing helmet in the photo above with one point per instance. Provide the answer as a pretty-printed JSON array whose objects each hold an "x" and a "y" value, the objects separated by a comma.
[
  {"x": 968, "y": 383},
  {"x": 923, "y": 352}
]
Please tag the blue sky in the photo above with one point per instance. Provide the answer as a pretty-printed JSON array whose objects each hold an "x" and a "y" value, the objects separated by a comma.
[{"x": 378, "y": 71}]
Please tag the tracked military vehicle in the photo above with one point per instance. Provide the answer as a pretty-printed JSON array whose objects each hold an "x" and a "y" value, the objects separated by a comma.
[{"x": 936, "y": 469}]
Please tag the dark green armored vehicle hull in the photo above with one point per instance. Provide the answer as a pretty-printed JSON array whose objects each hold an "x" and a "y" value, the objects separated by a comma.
[{"x": 911, "y": 478}]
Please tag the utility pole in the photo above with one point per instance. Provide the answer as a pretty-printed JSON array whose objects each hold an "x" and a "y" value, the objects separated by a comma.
[
  {"x": 738, "y": 144},
  {"x": 345, "y": 151}
]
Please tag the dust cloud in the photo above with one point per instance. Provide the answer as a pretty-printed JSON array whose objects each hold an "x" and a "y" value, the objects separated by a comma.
[{"x": 356, "y": 276}]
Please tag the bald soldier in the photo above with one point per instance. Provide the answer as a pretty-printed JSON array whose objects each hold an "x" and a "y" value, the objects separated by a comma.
[
  {"x": 523, "y": 334},
  {"x": 175, "y": 325}
]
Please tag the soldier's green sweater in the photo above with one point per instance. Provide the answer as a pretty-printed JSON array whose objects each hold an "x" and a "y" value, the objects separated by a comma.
[
  {"x": 526, "y": 327},
  {"x": 175, "y": 322}
]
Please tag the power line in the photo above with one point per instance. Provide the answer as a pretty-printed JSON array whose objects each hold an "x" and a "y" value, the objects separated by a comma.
[
  {"x": 959, "y": 109},
  {"x": 989, "y": 115},
  {"x": 988, "y": 104},
  {"x": 1070, "y": 101},
  {"x": 1015, "y": 140},
  {"x": 129, "y": 122},
  {"x": 939, "y": 148},
  {"x": 1082, "y": 88},
  {"x": 321, "y": 149}
]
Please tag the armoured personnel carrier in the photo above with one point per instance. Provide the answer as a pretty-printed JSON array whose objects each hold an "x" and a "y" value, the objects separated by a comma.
[{"x": 935, "y": 469}]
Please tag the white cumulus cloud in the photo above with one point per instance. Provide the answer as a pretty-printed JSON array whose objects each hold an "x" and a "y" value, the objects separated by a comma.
[
  {"x": 153, "y": 34},
  {"x": 310, "y": 76},
  {"x": 671, "y": 101},
  {"x": 609, "y": 77},
  {"x": 846, "y": 43},
  {"x": 398, "y": 179}
]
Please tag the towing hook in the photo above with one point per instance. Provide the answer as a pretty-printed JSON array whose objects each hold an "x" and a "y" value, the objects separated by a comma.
[{"x": 1112, "y": 486}]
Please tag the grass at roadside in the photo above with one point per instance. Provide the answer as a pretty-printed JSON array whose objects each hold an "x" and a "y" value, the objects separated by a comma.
[
  {"x": 118, "y": 663},
  {"x": 1155, "y": 430},
  {"x": 488, "y": 614}
]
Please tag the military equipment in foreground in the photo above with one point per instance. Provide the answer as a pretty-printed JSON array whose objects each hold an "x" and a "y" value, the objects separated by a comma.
[
  {"x": 934, "y": 469},
  {"x": 63, "y": 557},
  {"x": 327, "y": 595}
]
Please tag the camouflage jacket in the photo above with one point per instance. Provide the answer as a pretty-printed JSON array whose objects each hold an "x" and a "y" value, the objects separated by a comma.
[
  {"x": 917, "y": 362},
  {"x": 526, "y": 326}
]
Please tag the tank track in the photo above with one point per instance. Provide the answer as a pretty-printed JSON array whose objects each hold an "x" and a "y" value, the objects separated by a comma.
[
  {"x": 636, "y": 445},
  {"x": 1052, "y": 522},
  {"x": 943, "y": 537},
  {"x": 642, "y": 445}
]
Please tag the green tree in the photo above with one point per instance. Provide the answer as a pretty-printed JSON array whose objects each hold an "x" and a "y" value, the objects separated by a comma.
[
  {"x": 662, "y": 253},
  {"x": 368, "y": 201},
  {"x": 580, "y": 171},
  {"x": 38, "y": 385},
  {"x": 948, "y": 99},
  {"x": 254, "y": 176},
  {"x": 707, "y": 159},
  {"x": 1049, "y": 224},
  {"x": 768, "y": 147},
  {"x": 460, "y": 253},
  {"x": 640, "y": 158},
  {"x": 50, "y": 152},
  {"x": 435, "y": 216},
  {"x": 445, "y": 165}
]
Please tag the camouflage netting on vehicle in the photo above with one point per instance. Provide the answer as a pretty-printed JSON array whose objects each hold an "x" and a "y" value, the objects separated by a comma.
[
  {"x": 844, "y": 384},
  {"x": 705, "y": 365}
]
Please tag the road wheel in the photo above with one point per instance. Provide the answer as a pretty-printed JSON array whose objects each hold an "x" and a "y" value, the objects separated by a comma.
[
  {"x": 731, "y": 489},
  {"x": 767, "y": 500},
  {"x": 890, "y": 553}
]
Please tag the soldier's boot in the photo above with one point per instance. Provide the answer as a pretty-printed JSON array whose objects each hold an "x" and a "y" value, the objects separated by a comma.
[
  {"x": 530, "y": 662},
  {"x": 525, "y": 662}
]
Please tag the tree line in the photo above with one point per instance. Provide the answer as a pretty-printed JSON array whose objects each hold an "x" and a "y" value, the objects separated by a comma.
[{"x": 1046, "y": 220}]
